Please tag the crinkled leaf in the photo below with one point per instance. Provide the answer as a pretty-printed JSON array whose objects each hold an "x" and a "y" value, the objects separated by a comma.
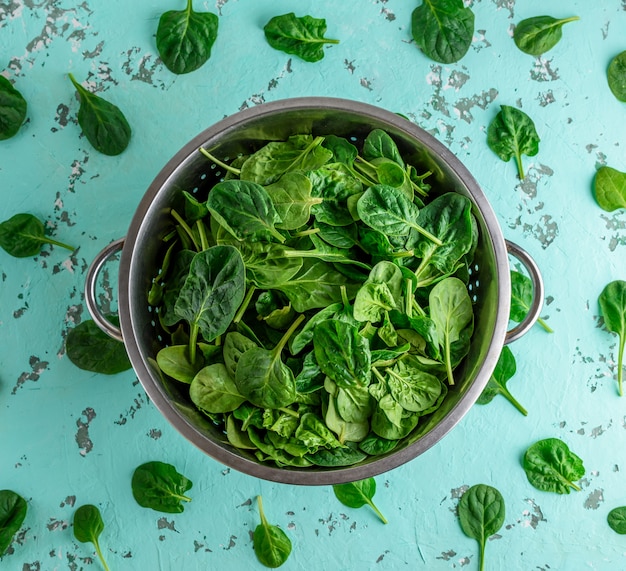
[
  {"x": 551, "y": 466},
  {"x": 157, "y": 485},
  {"x": 616, "y": 520}
]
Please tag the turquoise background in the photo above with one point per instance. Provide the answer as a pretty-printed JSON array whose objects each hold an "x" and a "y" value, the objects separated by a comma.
[{"x": 69, "y": 437}]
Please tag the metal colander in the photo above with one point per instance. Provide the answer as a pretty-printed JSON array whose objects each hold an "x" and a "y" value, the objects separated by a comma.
[{"x": 243, "y": 133}]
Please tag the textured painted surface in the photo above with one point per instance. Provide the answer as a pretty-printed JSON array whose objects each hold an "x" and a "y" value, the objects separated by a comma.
[{"x": 68, "y": 437}]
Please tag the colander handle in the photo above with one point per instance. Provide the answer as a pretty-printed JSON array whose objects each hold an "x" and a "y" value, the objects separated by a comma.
[
  {"x": 537, "y": 304},
  {"x": 90, "y": 289}
]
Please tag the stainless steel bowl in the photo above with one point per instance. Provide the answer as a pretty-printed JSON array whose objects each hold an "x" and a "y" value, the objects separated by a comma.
[{"x": 188, "y": 170}]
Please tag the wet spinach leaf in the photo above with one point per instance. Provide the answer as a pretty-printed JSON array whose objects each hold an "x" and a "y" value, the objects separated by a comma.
[
  {"x": 551, "y": 466},
  {"x": 357, "y": 494},
  {"x": 158, "y": 486},
  {"x": 443, "y": 29},
  {"x": 521, "y": 299},
  {"x": 103, "y": 123},
  {"x": 481, "y": 514},
  {"x": 184, "y": 38},
  {"x": 504, "y": 371},
  {"x": 88, "y": 526},
  {"x": 13, "y": 508},
  {"x": 511, "y": 134},
  {"x": 616, "y": 76},
  {"x": 616, "y": 520},
  {"x": 539, "y": 34},
  {"x": 13, "y": 109},
  {"x": 271, "y": 544},
  {"x": 302, "y": 37},
  {"x": 612, "y": 302},
  {"x": 91, "y": 349},
  {"x": 610, "y": 188},
  {"x": 23, "y": 235}
]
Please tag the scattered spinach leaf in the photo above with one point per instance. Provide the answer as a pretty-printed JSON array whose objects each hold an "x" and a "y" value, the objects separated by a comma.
[
  {"x": 91, "y": 349},
  {"x": 13, "y": 109},
  {"x": 539, "y": 34},
  {"x": 158, "y": 486},
  {"x": 521, "y": 299},
  {"x": 551, "y": 466},
  {"x": 443, "y": 29},
  {"x": 271, "y": 544},
  {"x": 612, "y": 302},
  {"x": 13, "y": 508},
  {"x": 511, "y": 134},
  {"x": 88, "y": 526},
  {"x": 610, "y": 188},
  {"x": 22, "y": 236},
  {"x": 481, "y": 514},
  {"x": 505, "y": 369},
  {"x": 616, "y": 520},
  {"x": 357, "y": 494},
  {"x": 103, "y": 123},
  {"x": 302, "y": 37},
  {"x": 616, "y": 76},
  {"x": 184, "y": 38}
]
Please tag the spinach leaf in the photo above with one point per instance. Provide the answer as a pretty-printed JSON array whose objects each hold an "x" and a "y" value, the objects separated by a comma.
[
  {"x": 616, "y": 520},
  {"x": 91, "y": 349},
  {"x": 310, "y": 378},
  {"x": 214, "y": 391},
  {"x": 13, "y": 108},
  {"x": 235, "y": 345},
  {"x": 551, "y": 466},
  {"x": 335, "y": 183},
  {"x": 291, "y": 196},
  {"x": 539, "y": 34},
  {"x": 610, "y": 188},
  {"x": 374, "y": 445},
  {"x": 521, "y": 299},
  {"x": 302, "y": 37},
  {"x": 357, "y": 494},
  {"x": 443, "y": 29},
  {"x": 344, "y": 456},
  {"x": 184, "y": 38},
  {"x": 616, "y": 76},
  {"x": 511, "y": 134},
  {"x": 481, "y": 514},
  {"x": 88, "y": 526},
  {"x": 412, "y": 389},
  {"x": 211, "y": 294},
  {"x": 451, "y": 311},
  {"x": 505, "y": 369},
  {"x": 103, "y": 123},
  {"x": 13, "y": 508},
  {"x": 343, "y": 150},
  {"x": 174, "y": 361},
  {"x": 379, "y": 145},
  {"x": 262, "y": 377},
  {"x": 339, "y": 236},
  {"x": 612, "y": 302},
  {"x": 245, "y": 210},
  {"x": 271, "y": 544},
  {"x": 22, "y": 236},
  {"x": 157, "y": 485},
  {"x": 342, "y": 353}
]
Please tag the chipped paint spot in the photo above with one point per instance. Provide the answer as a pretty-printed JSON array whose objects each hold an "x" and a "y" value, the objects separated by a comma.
[
  {"x": 542, "y": 70},
  {"x": 37, "y": 367},
  {"x": 594, "y": 499},
  {"x": 85, "y": 444}
]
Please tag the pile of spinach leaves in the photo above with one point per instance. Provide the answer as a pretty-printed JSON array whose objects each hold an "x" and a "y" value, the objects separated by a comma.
[{"x": 316, "y": 298}]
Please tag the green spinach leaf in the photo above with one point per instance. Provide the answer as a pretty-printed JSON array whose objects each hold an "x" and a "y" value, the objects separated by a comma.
[
  {"x": 616, "y": 76},
  {"x": 174, "y": 361},
  {"x": 13, "y": 108},
  {"x": 511, "y": 134},
  {"x": 291, "y": 196},
  {"x": 610, "y": 188},
  {"x": 91, "y": 349},
  {"x": 616, "y": 520},
  {"x": 612, "y": 302},
  {"x": 539, "y": 34},
  {"x": 158, "y": 486},
  {"x": 443, "y": 29},
  {"x": 184, "y": 38},
  {"x": 88, "y": 526},
  {"x": 481, "y": 514},
  {"x": 521, "y": 299},
  {"x": 22, "y": 236},
  {"x": 302, "y": 37},
  {"x": 551, "y": 466},
  {"x": 214, "y": 391},
  {"x": 357, "y": 494},
  {"x": 13, "y": 508},
  {"x": 271, "y": 544},
  {"x": 103, "y": 123},
  {"x": 505, "y": 369}
]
